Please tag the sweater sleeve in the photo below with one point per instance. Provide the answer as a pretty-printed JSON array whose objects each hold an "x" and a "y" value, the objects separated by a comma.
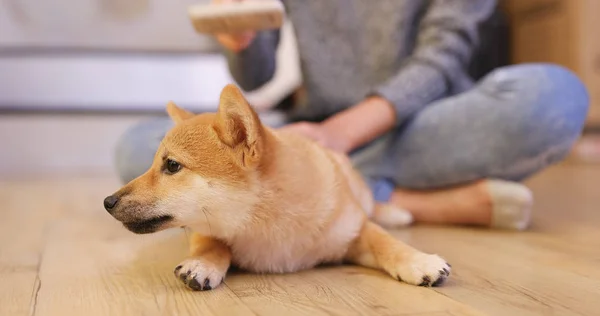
[
  {"x": 254, "y": 66},
  {"x": 447, "y": 37}
]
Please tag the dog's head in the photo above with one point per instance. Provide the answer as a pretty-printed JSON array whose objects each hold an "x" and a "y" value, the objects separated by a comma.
[{"x": 204, "y": 174}]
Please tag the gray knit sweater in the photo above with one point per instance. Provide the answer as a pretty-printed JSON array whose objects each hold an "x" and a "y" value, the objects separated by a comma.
[{"x": 411, "y": 52}]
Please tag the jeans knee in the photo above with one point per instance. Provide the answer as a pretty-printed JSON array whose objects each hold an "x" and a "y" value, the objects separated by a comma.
[
  {"x": 135, "y": 149},
  {"x": 547, "y": 98}
]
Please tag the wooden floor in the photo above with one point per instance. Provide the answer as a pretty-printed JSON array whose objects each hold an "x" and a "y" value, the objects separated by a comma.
[{"x": 62, "y": 254}]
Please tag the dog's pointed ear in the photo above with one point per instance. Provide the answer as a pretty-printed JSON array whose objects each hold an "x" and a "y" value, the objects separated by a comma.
[
  {"x": 178, "y": 114},
  {"x": 238, "y": 125}
]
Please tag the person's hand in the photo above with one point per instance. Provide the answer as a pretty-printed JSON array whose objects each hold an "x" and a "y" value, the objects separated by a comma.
[
  {"x": 320, "y": 134},
  {"x": 350, "y": 128},
  {"x": 234, "y": 42}
]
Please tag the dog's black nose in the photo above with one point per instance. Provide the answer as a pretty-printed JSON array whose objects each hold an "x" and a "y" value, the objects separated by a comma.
[{"x": 110, "y": 202}]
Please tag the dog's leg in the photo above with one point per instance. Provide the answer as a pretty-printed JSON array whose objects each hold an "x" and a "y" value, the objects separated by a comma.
[
  {"x": 376, "y": 248},
  {"x": 207, "y": 265}
]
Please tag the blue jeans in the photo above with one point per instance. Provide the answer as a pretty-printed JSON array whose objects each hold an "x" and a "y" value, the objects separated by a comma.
[{"x": 513, "y": 123}]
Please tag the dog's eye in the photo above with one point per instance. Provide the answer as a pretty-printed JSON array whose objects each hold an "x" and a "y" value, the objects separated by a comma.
[{"x": 172, "y": 166}]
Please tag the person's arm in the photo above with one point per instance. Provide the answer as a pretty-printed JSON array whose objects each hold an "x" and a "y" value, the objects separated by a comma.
[
  {"x": 447, "y": 37},
  {"x": 359, "y": 124}
]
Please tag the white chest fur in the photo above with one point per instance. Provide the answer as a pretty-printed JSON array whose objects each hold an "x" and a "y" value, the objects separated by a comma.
[{"x": 278, "y": 251}]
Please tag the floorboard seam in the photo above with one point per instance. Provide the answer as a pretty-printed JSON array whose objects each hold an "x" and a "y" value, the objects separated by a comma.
[{"x": 38, "y": 280}]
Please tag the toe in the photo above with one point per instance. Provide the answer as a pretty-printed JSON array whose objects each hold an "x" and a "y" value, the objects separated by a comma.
[
  {"x": 207, "y": 285},
  {"x": 195, "y": 285},
  {"x": 184, "y": 276},
  {"x": 426, "y": 281},
  {"x": 439, "y": 281},
  {"x": 177, "y": 268}
]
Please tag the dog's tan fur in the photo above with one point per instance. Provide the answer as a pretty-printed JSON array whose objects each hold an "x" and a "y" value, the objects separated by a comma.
[{"x": 264, "y": 200}]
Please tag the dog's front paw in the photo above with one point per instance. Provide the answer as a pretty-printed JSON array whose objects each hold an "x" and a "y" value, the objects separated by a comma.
[
  {"x": 422, "y": 269},
  {"x": 199, "y": 274}
]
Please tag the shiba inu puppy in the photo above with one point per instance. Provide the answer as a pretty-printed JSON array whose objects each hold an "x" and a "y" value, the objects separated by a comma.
[{"x": 264, "y": 200}]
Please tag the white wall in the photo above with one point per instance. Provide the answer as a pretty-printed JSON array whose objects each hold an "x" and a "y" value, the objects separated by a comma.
[
  {"x": 188, "y": 71},
  {"x": 65, "y": 78},
  {"x": 149, "y": 25}
]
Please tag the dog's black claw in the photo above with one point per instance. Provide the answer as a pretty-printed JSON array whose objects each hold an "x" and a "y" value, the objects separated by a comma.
[
  {"x": 195, "y": 285},
  {"x": 439, "y": 281},
  {"x": 177, "y": 268},
  {"x": 449, "y": 265},
  {"x": 184, "y": 276},
  {"x": 206, "y": 285},
  {"x": 446, "y": 271},
  {"x": 426, "y": 281}
]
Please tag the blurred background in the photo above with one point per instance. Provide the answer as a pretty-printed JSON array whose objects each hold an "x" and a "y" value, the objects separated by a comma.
[{"x": 75, "y": 74}]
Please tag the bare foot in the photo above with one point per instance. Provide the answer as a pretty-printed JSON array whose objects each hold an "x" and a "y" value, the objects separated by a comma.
[{"x": 495, "y": 203}]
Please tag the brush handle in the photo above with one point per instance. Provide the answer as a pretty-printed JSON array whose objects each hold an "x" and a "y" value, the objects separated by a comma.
[{"x": 235, "y": 17}]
